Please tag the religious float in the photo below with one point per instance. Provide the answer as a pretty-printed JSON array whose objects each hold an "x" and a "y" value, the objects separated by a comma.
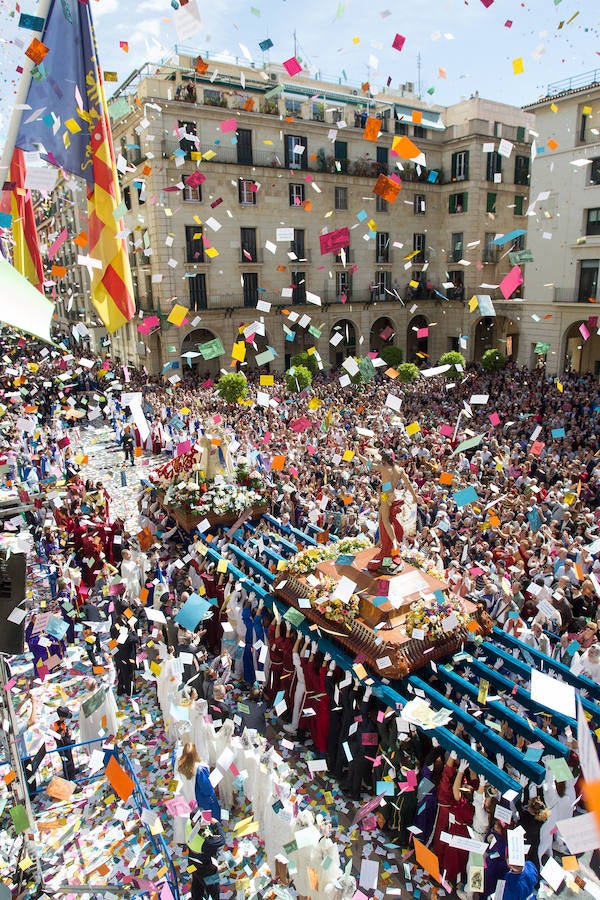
[
  {"x": 394, "y": 622},
  {"x": 203, "y": 484}
]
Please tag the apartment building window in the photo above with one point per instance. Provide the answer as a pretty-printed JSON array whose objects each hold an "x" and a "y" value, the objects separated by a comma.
[
  {"x": 490, "y": 250},
  {"x": 197, "y": 298},
  {"x": 490, "y": 205},
  {"x": 401, "y": 128},
  {"x": 342, "y": 257},
  {"x": 519, "y": 205},
  {"x": 192, "y": 194},
  {"x": 298, "y": 287},
  {"x": 520, "y": 133},
  {"x": 460, "y": 166},
  {"x": 593, "y": 221},
  {"x": 296, "y": 194},
  {"x": 141, "y": 192},
  {"x": 419, "y": 131},
  {"x": 250, "y": 281},
  {"x": 298, "y": 245},
  {"x": 214, "y": 98},
  {"x": 521, "y": 170},
  {"x": 583, "y": 127},
  {"x": 343, "y": 285},
  {"x": 296, "y": 155},
  {"x": 340, "y": 152},
  {"x": 457, "y": 246},
  {"x": 187, "y": 144},
  {"x": 382, "y": 247},
  {"x": 494, "y": 165},
  {"x": 341, "y": 198},
  {"x": 595, "y": 171},
  {"x": 458, "y": 203},
  {"x": 194, "y": 246},
  {"x": 519, "y": 242},
  {"x": 381, "y": 205},
  {"x": 126, "y": 191},
  {"x": 247, "y": 192},
  {"x": 497, "y": 129},
  {"x": 382, "y": 160},
  {"x": 588, "y": 280},
  {"x": 418, "y": 204},
  {"x": 293, "y": 107},
  {"x": 419, "y": 244},
  {"x": 244, "y": 147},
  {"x": 248, "y": 244},
  {"x": 382, "y": 283}
]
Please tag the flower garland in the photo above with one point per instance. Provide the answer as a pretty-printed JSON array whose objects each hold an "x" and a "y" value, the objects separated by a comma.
[
  {"x": 307, "y": 560},
  {"x": 322, "y": 598},
  {"x": 418, "y": 559},
  {"x": 428, "y": 616}
]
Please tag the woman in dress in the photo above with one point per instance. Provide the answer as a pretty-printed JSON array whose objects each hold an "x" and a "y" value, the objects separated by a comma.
[{"x": 194, "y": 783}]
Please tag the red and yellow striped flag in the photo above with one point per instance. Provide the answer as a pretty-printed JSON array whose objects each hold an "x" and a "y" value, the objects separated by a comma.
[
  {"x": 112, "y": 289},
  {"x": 17, "y": 201}
]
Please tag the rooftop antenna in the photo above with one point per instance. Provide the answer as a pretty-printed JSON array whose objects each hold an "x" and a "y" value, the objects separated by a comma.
[{"x": 419, "y": 75}]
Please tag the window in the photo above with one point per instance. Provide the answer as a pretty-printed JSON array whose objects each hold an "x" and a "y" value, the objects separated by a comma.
[
  {"x": 595, "y": 171},
  {"x": 341, "y": 198},
  {"x": 194, "y": 246},
  {"x": 141, "y": 192},
  {"x": 298, "y": 245},
  {"x": 244, "y": 146},
  {"x": 340, "y": 153},
  {"x": 381, "y": 205},
  {"x": 520, "y": 133},
  {"x": 521, "y": 170},
  {"x": 296, "y": 156},
  {"x": 342, "y": 257},
  {"x": 299, "y": 287},
  {"x": 491, "y": 202},
  {"x": 460, "y": 166},
  {"x": 214, "y": 98},
  {"x": 519, "y": 242},
  {"x": 588, "y": 280},
  {"x": 494, "y": 165},
  {"x": 293, "y": 107},
  {"x": 401, "y": 128},
  {"x": 343, "y": 285},
  {"x": 457, "y": 246},
  {"x": 197, "y": 292},
  {"x": 250, "y": 281},
  {"x": 490, "y": 250},
  {"x": 593, "y": 221},
  {"x": 127, "y": 197},
  {"x": 382, "y": 160},
  {"x": 519, "y": 205},
  {"x": 188, "y": 131},
  {"x": 458, "y": 203},
  {"x": 247, "y": 192},
  {"x": 419, "y": 244},
  {"x": 419, "y": 204},
  {"x": 192, "y": 194},
  {"x": 382, "y": 247},
  {"x": 382, "y": 283},
  {"x": 318, "y": 112},
  {"x": 248, "y": 245},
  {"x": 296, "y": 194},
  {"x": 583, "y": 127},
  {"x": 419, "y": 131},
  {"x": 497, "y": 129}
]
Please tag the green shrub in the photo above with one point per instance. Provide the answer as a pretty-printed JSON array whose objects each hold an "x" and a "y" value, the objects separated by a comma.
[
  {"x": 408, "y": 372},
  {"x": 492, "y": 360},
  {"x": 453, "y": 359},
  {"x": 232, "y": 387},
  {"x": 392, "y": 355},
  {"x": 308, "y": 360},
  {"x": 297, "y": 379}
]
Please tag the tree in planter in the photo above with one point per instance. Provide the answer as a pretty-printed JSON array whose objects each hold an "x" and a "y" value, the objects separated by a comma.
[
  {"x": 232, "y": 387},
  {"x": 297, "y": 379},
  {"x": 392, "y": 355},
  {"x": 492, "y": 360},
  {"x": 308, "y": 360},
  {"x": 453, "y": 359},
  {"x": 407, "y": 372}
]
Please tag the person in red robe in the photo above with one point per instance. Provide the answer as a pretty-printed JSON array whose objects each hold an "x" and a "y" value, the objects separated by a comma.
[{"x": 276, "y": 646}]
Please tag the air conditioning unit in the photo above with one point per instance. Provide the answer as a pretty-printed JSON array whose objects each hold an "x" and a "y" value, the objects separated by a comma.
[{"x": 273, "y": 76}]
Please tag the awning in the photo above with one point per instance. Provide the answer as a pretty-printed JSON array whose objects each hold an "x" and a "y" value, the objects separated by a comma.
[{"x": 430, "y": 118}]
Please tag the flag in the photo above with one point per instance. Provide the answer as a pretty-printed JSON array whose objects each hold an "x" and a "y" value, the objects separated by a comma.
[
  {"x": 16, "y": 201},
  {"x": 73, "y": 132}
]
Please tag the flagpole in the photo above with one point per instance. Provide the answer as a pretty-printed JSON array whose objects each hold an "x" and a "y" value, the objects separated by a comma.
[{"x": 21, "y": 98}]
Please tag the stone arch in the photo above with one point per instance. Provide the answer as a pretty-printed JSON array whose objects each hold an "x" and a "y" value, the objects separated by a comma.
[
  {"x": 498, "y": 333},
  {"x": 382, "y": 334},
  {"x": 345, "y": 347},
  {"x": 416, "y": 345},
  {"x": 580, "y": 353},
  {"x": 193, "y": 340}
]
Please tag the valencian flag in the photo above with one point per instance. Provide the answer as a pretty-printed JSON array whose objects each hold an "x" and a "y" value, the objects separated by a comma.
[
  {"x": 73, "y": 132},
  {"x": 16, "y": 202}
]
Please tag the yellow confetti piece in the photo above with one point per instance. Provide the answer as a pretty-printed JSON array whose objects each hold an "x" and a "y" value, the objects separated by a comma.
[
  {"x": 517, "y": 65},
  {"x": 348, "y": 455},
  {"x": 211, "y": 252},
  {"x": 73, "y": 126},
  {"x": 473, "y": 303},
  {"x": 413, "y": 428}
]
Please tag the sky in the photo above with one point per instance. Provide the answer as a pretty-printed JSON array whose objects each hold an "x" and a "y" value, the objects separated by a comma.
[{"x": 464, "y": 45}]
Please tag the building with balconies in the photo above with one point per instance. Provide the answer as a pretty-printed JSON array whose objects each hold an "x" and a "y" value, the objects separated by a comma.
[
  {"x": 231, "y": 174},
  {"x": 563, "y": 215}
]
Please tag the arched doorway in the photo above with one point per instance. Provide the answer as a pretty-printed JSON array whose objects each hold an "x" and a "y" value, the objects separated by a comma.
[
  {"x": 582, "y": 347},
  {"x": 382, "y": 334},
  {"x": 195, "y": 360},
  {"x": 417, "y": 340},
  {"x": 498, "y": 333},
  {"x": 302, "y": 342},
  {"x": 343, "y": 335}
]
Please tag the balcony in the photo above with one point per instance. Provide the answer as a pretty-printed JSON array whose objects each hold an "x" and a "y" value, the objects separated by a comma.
[
  {"x": 569, "y": 295},
  {"x": 254, "y": 258},
  {"x": 490, "y": 255},
  {"x": 304, "y": 257}
]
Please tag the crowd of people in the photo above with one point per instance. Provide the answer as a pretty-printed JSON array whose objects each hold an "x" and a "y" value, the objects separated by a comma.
[{"x": 241, "y": 682}]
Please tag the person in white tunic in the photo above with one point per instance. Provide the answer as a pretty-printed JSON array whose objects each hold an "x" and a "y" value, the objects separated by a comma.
[
  {"x": 224, "y": 742},
  {"x": 186, "y": 765},
  {"x": 97, "y": 713},
  {"x": 280, "y": 817},
  {"x": 130, "y": 575},
  {"x": 198, "y": 715},
  {"x": 167, "y": 680},
  {"x": 307, "y": 856}
]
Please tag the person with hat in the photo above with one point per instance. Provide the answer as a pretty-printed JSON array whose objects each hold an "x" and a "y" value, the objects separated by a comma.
[
  {"x": 204, "y": 844},
  {"x": 65, "y": 739}
]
